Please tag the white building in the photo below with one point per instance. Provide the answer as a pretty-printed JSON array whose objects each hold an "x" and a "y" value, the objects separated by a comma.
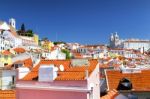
[
  {"x": 142, "y": 45},
  {"x": 137, "y": 44},
  {"x": 73, "y": 46},
  {"x": 4, "y": 44},
  {"x": 7, "y": 79},
  {"x": 54, "y": 55},
  {"x": 9, "y": 37}
]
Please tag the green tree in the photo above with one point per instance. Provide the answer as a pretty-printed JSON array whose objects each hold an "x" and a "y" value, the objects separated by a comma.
[
  {"x": 23, "y": 28},
  {"x": 29, "y": 33},
  {"x": 67, "y": 52},
  {"x": 59, "y": 42}
]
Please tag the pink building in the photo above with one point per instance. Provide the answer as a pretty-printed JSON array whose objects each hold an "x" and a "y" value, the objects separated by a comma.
[{"x": 61, "y": 79}]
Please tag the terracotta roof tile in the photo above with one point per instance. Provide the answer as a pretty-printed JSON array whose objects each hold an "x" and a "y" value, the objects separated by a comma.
[
  {"x": 70, "y": 73},
  {"x": 140, "y": 81},
  {"x": 19, "y": 50},
  {"x": 6, "y": 52},
  {"x": 28, "y": 62},
  {"x": 77, "y": 55},
  {"x": 110, "y": 95},
  {"x": 7, "y": 94}
]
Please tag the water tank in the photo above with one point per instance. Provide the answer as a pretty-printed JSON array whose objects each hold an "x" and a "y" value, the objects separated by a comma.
[{"x": 47, "y": 73}]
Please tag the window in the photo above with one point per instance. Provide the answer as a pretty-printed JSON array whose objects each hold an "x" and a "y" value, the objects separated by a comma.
[{"x": 13, "y": 80}]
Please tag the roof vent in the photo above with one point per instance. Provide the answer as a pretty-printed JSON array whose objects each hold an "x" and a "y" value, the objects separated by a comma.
[
  {"x": 61, "y": 67},
  {"x": 124, "y": 84},
  {"x": 47, "y": 73}
]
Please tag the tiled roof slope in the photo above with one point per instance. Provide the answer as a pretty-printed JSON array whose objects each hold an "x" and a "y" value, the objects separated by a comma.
[
  {"x": 110, "y": 95},
  {"x": 69, "y": 73},
  {"x": 6, "y": 52},
  {"x": 7, "y": 94},
  {"x": 140, "y": 81},
  {"x": 19, "y": 50},
  {"x": 28, "y": 62}
]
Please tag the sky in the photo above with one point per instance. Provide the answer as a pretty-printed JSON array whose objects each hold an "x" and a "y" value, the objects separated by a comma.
[{"x": 82, "y": 21}]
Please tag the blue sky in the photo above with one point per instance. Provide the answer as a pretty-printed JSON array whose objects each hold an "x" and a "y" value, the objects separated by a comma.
[{"x": 83, "y": 21}]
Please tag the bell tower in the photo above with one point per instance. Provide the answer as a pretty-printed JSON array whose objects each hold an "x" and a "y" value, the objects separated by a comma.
[{"x": 12, "y": 22}]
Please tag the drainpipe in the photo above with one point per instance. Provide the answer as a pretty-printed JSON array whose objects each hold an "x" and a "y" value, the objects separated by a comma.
[
  {"x": 86, "y": 74},
  {"x": 91, "y": 96}
]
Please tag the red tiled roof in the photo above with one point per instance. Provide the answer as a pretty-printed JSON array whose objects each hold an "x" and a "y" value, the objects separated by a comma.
[
  {"x": 6, "y": 52},
  {"x": 110, "y": 95},
  {"x": 27, "y": 63},
  {"x": 19, "y": 50},
  {"x": 137, "y": 41},
  {"x": 7, "y": 94},
  {"x": 77, "y": 55},
  {"x": 108, "y": 65},
  {"x": 104, "y": 66},
  {"x": 69, "y": 73},
  {"x": 140, "y": 81}
]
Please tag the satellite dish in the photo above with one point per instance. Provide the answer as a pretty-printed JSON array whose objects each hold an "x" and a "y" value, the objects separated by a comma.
[
  {"x": 61, "y": 67},
  {"x": 55, "y": 68}
]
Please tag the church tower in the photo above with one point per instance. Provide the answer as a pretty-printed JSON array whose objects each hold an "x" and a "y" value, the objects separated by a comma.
[
  {"x": 111, "y": 40},
  {"x": 114, "y": 40},
  {"x": 116, "y": 36},
  {"x": 12, "y": 22}
]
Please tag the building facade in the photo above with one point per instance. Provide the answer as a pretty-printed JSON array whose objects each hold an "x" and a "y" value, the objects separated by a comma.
[{"x": 137, "y": 44}]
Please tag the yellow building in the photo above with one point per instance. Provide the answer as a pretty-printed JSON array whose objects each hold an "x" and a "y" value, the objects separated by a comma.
[
  {"x": 36, "y": 38},
  {"x": 6, "y": 57},
  {"x": 47, "y": 45}
]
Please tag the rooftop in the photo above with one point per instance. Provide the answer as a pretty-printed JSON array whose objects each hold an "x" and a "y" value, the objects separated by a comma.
[
  {"x": 7, "y": 94},
  {"x": 140, "y": 81},
  {"x": 19, "y": 50},
  {"x": 69, "y": 73},
  {"x": 110, "y": 95},
  {"x": 6, "y": 52}
]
